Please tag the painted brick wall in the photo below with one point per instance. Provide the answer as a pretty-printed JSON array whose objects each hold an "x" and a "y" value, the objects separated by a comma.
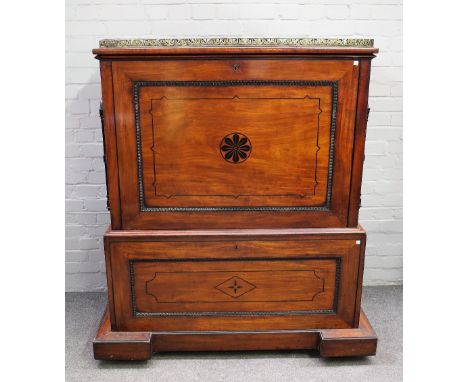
[{"x": 90, "y": 20}]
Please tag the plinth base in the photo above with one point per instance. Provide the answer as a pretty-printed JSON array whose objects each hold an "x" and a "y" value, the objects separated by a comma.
[{"x": 139, "y": 346}]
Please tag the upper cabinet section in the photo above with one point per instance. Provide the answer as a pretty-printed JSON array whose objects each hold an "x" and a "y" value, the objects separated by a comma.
[{"x": 264, "y": 137}]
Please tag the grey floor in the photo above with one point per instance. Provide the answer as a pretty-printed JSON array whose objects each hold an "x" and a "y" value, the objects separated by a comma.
[{"x": 383, "y": 306}]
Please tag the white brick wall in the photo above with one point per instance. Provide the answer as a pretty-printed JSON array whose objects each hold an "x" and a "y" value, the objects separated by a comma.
[{"x": 91, "y": 20}]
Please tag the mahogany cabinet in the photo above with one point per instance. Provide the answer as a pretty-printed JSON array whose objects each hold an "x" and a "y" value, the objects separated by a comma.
[{"x": 234, "y": 172}]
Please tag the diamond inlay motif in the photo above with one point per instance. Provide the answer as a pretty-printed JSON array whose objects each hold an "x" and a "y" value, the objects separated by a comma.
[{"x": 235, "y": 287}]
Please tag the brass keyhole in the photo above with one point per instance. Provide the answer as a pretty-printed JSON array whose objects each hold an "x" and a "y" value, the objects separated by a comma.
[{"x": 236, "y": 67}]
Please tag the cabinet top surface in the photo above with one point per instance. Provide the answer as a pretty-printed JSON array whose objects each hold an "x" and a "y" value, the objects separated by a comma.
[{"x": 330, "y": 46}]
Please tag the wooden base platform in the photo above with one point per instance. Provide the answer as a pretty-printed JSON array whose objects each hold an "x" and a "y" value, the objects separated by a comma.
[{"x": 139, "y": 346}]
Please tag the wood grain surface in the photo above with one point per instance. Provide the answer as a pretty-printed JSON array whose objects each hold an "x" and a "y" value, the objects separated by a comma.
[
  {"x": 290, "y": 281},
  {"x": 169, "y": 131}
]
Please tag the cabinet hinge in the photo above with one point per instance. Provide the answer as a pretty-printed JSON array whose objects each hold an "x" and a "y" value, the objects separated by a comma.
[{"x": 367, "y": 116}]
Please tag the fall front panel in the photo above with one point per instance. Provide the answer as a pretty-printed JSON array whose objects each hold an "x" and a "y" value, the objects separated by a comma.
[
  {"x": 202, "y": 145},
  {"x": 235, "y": 144}
]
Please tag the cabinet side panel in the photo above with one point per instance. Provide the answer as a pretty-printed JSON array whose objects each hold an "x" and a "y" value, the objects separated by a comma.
[
  {"x": 359, "y": 142},
  {"x": 110, "y": 144},
  {"x": 362, "y": 253},
  {"x": 110, "y": 282}
]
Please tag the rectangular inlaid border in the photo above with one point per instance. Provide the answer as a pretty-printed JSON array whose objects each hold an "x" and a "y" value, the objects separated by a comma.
[
  {"x": 136, "y": 103},
  {"x": 236, "y": 314},
  {"x": 229, "y": 99}
]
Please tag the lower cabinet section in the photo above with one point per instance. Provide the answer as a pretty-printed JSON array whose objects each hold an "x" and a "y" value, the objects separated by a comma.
[{"x": 236, "y": 280}]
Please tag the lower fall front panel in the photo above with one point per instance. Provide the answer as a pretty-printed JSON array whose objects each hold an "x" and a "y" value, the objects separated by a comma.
[{"x": 168, "y": 281}]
